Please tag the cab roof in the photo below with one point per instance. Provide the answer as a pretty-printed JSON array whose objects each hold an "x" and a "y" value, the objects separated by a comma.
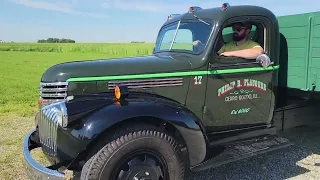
[{"x": 218, "y": 14}]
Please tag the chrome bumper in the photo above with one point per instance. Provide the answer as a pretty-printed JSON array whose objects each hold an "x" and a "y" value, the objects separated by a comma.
[{"x": 34, "y": 169}]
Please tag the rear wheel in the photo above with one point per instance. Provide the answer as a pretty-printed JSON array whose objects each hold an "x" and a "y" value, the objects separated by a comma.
[{"x": 142, "y": 154}]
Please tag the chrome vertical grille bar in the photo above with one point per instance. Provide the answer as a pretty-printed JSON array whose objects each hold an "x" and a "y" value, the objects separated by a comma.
[{"x": 48, "y": 125}]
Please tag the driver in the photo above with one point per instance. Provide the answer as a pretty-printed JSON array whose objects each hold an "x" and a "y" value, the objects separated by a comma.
[{"x": 241, "y": 46}]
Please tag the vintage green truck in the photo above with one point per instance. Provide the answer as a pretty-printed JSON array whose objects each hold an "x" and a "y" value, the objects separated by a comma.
[{"x": 183, "y": 107}]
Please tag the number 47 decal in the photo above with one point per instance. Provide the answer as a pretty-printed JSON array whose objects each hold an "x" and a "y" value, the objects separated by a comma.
[{"x": 197, "y": 80}]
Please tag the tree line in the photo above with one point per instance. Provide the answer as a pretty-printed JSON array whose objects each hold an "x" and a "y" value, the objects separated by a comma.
[{"x": 56, "y": 40}]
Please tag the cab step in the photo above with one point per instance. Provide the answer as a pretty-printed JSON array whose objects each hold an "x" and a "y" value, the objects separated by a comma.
[{"x": 242, "y": 150}]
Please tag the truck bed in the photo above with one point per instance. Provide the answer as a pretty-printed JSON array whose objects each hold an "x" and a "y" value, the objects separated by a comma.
[{"x": 300, "y": 51}]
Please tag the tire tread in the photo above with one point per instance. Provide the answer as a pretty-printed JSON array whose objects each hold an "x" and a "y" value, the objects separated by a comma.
[{"x": 94, "y": 165}]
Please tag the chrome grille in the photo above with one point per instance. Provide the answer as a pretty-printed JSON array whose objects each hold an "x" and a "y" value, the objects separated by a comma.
[
  {"x": 53, "y": 92},
  {"x": 147, "y": 83},
  {"x": 47, "y": 120}
]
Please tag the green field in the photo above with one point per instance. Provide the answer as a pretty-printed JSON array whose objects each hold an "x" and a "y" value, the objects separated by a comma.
[
  {"x": 21, "y": 67},
  {"x": 120, "y": 49}
]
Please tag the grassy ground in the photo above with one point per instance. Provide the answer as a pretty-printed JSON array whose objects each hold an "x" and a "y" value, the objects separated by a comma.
[
  {"x": 12, "y": 131},
  {"x": 20, "y": 71}
]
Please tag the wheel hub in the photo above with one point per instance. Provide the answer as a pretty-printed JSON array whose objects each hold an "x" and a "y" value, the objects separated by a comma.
[
  {"x": 141, "y": 168},
  {"x": 145, "y": 175}
]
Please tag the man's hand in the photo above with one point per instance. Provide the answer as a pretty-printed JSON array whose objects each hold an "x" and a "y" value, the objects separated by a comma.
[
  {"x": 196, "y": 42},
  {"x": 226, "y": 54}
]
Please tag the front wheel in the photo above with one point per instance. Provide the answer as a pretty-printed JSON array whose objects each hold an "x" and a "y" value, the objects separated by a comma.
[{"x": 144, "y": 154}]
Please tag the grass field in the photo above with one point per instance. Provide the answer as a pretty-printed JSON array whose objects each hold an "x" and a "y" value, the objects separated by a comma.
[
  {"x": 21, "y": 70},
  {"x": 21, "y": 67},
  {"x": 112, "y": 49}
]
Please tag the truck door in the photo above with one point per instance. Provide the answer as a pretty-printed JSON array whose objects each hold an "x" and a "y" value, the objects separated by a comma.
[{"x": 239, "y": 92}]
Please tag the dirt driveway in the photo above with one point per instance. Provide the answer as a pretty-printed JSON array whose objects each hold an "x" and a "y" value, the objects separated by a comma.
[{"x": 300, "y": 161}]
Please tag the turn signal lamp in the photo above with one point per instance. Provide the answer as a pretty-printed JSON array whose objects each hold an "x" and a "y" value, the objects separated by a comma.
[
  {"x": 194, "y": 8},
  {"x": 225, "y": 6},
  {"x": 117, "y": 92},
  {"x": 121, "y": 92}
]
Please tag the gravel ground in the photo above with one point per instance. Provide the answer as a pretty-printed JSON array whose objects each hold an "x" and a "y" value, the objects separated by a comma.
[{"x": 300, "y": 161}]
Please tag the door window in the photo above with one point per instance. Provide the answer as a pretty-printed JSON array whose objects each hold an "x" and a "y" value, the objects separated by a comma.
[{"x": 230, "y": 40}]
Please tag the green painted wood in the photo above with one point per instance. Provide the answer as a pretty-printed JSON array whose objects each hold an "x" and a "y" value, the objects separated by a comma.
[
  {"x": 297, "y": 52},
  {"x": 316, "y": 30},
  {"x": 297, "y": 62},
  {"x": 296, "y": 81},
  {"x": 315, "y": 62},
  {"x": 302, "y": 32},
  {"x": 293, "y": 20},
  {"x": 316, "y": 19},
  {"x": 296, "y": 43},
  {"x": 294, "y": 32},
  {"x": 314, "y": 52},
  {"x": 292, "y": 71},
  {"x": 316, "y": 42}
]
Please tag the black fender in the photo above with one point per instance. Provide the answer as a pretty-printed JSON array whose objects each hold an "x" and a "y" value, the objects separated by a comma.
[{"x": 108, "y": 115}]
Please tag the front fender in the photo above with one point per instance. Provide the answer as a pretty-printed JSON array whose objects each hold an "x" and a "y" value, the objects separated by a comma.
[{"x": 182, "y": 119}]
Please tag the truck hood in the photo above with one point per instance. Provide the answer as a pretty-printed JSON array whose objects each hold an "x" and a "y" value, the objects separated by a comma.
[{"x": 118, "y": 66}]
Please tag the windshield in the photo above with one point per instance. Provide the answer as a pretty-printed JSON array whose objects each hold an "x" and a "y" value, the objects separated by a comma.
[{"x": 183, "y": 34}]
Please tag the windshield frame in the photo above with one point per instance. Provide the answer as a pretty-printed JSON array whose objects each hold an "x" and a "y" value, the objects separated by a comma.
[{"x": 178, "y": 24}]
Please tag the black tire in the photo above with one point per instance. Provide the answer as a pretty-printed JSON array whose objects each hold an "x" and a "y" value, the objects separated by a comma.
[{"x": 106, "y": 163}]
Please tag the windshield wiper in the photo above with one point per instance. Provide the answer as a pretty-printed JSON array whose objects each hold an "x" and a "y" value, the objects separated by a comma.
[
  {"x": 175, "y": 35},
  {"x": 201, "y": 20}
]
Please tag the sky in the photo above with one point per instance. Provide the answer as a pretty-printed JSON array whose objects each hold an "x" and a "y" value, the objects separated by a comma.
[{"x": 111, "y": 20}]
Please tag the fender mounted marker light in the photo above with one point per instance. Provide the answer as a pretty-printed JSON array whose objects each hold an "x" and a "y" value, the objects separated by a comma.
[{"x": 121, "y": 92}]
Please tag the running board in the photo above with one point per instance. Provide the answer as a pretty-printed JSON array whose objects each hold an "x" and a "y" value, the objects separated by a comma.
[{"x": 244, "y": 149}]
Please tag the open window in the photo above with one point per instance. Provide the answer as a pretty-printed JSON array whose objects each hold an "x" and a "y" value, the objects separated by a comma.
[{"x": 257, "y": 35}]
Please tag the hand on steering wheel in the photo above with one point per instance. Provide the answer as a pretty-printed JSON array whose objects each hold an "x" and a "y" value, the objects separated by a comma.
[{"x": 196, "y": 42}]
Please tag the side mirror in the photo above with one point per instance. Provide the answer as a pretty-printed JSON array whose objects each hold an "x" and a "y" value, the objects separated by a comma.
[{"x": 264, "y": 60}]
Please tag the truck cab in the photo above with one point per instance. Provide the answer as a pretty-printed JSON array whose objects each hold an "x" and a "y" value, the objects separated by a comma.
[{"x": 183, "y": 107}]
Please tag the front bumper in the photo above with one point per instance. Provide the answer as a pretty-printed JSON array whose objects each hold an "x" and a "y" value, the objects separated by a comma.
[{"x": 34, "y": 169}]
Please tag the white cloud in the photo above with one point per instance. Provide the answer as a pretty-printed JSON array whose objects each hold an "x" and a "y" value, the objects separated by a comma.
[
  {"x": 56, "y": 6},
  {"x": 156, "y": 6},
  {"x": 153, "y": 6}
]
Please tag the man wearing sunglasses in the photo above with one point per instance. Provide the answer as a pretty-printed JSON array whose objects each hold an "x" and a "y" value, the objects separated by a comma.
[{"x": 241, "y": 46}]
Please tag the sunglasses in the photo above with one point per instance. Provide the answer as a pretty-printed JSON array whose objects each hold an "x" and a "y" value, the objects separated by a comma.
[{"x": 238, "y": 28}]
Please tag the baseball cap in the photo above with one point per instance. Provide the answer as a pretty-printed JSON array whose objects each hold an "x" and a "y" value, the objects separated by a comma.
[{"x": 243, "y": 24}]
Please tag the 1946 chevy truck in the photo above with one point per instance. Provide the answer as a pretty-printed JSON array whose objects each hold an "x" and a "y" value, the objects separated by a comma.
[{"x": 156, "y": 116}]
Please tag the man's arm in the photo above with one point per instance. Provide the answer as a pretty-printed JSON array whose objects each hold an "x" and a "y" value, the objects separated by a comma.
[
  {"x": 251, "y": 53},
  {"x": 222, "y": 49}
]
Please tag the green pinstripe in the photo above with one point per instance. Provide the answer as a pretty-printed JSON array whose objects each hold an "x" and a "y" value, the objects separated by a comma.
[{"x": 172, "y": 74}]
